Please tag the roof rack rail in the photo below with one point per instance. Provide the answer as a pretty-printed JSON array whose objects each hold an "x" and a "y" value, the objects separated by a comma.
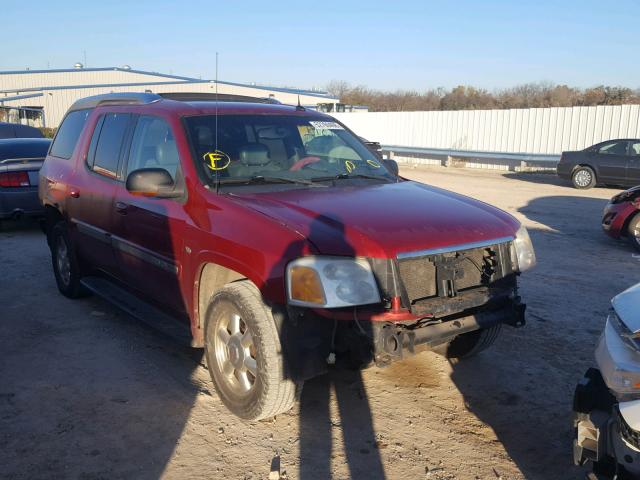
[
  {"x": 138, "y": 98},
  {"x": 124, "y": 98},
  {"x": 212, "y": 97}
]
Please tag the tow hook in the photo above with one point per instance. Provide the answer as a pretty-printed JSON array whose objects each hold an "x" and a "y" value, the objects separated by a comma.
[{"x": 516, "y": 319}]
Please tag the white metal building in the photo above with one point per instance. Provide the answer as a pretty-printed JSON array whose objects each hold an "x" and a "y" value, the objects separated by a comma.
[{"x": 52, "y": 92}]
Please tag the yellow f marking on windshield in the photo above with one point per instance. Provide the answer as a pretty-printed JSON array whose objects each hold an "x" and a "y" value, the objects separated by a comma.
[
  {"x": 349, "y": 165},
  {"x": 216, "y": 160}
]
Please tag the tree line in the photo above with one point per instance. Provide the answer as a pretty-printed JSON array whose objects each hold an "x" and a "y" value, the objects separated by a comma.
[{"x": 463, "y": 97}]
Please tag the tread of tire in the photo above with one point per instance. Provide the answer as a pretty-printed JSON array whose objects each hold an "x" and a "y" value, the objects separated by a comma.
[{"x": 286, "y": 391}]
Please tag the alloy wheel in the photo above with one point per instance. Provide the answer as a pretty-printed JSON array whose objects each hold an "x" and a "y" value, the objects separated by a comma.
[
  {"x": 235, "y": 352},
  {"x": 583, "y": 178}
]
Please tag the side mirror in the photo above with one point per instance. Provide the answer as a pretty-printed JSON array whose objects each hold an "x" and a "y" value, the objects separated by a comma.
[
  {"x": 152, "y": 182},
  {"x": 392, "y": 165}
]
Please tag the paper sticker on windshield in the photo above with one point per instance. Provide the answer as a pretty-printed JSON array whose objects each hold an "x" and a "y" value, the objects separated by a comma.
[
  {"x": 327, "y": 125},
  {"x": 216, "y": 160}
]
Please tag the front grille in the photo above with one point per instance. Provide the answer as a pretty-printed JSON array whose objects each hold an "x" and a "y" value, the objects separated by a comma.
[
  {"x": 631, "y": 436},
  {"x": 451, "y": 274}
]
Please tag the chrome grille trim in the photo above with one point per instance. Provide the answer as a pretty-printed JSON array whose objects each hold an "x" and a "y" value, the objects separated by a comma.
[{"x": 454, "y": 248}]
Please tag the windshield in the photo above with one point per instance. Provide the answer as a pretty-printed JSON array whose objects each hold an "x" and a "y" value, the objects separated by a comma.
[{"x": 279, "y": 149}]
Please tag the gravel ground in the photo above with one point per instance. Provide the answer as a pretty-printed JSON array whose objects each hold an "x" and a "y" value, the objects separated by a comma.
[{"x": 87, "y": 392}]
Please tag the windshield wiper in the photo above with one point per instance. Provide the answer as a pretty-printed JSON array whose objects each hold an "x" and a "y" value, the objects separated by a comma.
[
  {"x": 264, "y": 180},
  {"x": 342, "y": 176}
]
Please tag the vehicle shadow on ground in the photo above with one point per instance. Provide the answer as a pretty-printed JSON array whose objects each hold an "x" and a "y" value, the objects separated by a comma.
[
  {"x": 551, "y": 178},
  {"x": 320, "y": 428},
  {"x": 83, "y": 387},
  {"x": 576, "y": 217},
  {"x": 526, "y": 397},
  {"x": 539, "y": 447}
]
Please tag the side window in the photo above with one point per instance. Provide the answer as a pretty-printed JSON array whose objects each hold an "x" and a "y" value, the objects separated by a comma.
[
  {"x": 106, "y": 143},
  {"x": 615, "y": 148},
  {"x": 69, "y": 133},
  {"x": 153, "y": 146},
  {"x": 635, "y": 148}
]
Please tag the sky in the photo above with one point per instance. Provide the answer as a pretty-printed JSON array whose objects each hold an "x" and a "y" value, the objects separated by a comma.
[{"x": 387, "y": 45}]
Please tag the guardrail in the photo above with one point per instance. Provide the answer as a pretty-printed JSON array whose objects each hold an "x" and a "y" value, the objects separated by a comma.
[{"x": 471, "y": 159}]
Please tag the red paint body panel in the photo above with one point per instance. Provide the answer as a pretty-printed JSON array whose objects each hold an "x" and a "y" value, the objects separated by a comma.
[
  {"x": 254, "y": 234},
  {"x": 616, "y": 216}
]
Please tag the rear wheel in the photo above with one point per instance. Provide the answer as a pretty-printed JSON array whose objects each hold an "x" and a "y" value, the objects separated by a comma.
[
  {"x": 633, "y": 231},
  {"x": 470, "y": 344},
  {"x": 583, "y": 178},
  {"x": 65, "y": 263},
  {"x": 244, "y": 354}
]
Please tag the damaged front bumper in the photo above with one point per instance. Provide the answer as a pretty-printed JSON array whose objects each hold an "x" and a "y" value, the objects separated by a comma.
[
  {"x": 359, "y": 337},
  {"x": 393, "y": 341}
]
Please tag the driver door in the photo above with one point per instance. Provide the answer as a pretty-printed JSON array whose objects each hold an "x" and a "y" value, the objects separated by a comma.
[{"x": 148, "y": 231}]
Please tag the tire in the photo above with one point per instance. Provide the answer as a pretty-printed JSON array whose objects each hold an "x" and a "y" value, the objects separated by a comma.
[
  {"x": 633, "y": 231},
  {"x": 469, "y": 344},
  {"x": 65, "y": 263},
  {"x": 244, "y": 354},
  {"x": 583, "y": 178}
]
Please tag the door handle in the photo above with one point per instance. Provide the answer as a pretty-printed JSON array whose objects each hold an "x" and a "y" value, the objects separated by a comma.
[{"x": 121, "y": 208}]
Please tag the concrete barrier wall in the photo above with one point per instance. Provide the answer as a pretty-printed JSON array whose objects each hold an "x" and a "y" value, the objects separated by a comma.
[{"x": 533, "y": 130}]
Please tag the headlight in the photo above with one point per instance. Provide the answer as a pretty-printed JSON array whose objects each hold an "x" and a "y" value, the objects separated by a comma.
[
  {"x": 522, "y": 250},
  {"x": 331, "y": 282},
  {"x": 618, "y": 360}
]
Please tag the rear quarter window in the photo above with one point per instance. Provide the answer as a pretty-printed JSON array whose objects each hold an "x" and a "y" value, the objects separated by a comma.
[{"x": 69, "y": 133}]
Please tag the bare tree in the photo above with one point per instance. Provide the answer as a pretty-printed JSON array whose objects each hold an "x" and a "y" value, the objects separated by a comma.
[{"x": 464, "y": 97}]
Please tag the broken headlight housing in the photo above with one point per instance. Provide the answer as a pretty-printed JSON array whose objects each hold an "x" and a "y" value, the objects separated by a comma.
[
  {"x": 618, "y": 357},
  {"x": 522, "y": 250},
  {"x": 331, "y": 282}
]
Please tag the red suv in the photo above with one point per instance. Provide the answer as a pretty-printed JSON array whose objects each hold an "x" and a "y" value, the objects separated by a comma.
[{"x": 276, "y": 236}]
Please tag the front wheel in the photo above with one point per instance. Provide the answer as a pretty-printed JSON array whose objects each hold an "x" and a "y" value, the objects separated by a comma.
[
  {"x": 583, "y": 178},
  {"x": 633, "y": 231},
  {"x": 244, "y": 354},
  {"x": 65, "y": 263},
  {"x": 470, "y": 344}
]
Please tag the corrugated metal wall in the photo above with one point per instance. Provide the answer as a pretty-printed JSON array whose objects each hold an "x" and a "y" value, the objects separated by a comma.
[{"x": 534, "y": 130}]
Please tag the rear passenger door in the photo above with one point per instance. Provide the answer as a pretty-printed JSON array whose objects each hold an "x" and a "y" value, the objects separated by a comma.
[
  {"x": 146, "y": 240},
  {"x": 633, "y": 169},
  {"x": 612, "y": 159},
  {"x": 91, "y": 209}
]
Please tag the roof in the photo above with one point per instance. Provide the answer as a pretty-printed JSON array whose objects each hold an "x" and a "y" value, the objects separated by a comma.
[
  {"x": 17, "y": 130},
  {"x": 153, "y": 101},
  {"x": 179, "y": 78}
]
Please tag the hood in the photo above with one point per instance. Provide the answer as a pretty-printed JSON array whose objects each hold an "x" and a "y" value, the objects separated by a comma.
[
  {"x": 627, "y": 306},
  {"x": 382, "y": 220}
]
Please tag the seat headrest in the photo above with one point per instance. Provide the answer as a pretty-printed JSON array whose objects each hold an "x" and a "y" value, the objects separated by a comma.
[
  {"x": 254, "y": 154},
  {"x": 167, "y": 154},
  {"x": 205, "y": 136}
]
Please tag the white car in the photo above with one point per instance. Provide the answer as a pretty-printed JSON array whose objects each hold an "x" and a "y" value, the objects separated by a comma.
[{"x": 607, "y": 400}]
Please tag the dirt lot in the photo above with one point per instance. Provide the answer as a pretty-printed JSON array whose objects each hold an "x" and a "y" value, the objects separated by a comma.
[{"x": 87, "y": 392}]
